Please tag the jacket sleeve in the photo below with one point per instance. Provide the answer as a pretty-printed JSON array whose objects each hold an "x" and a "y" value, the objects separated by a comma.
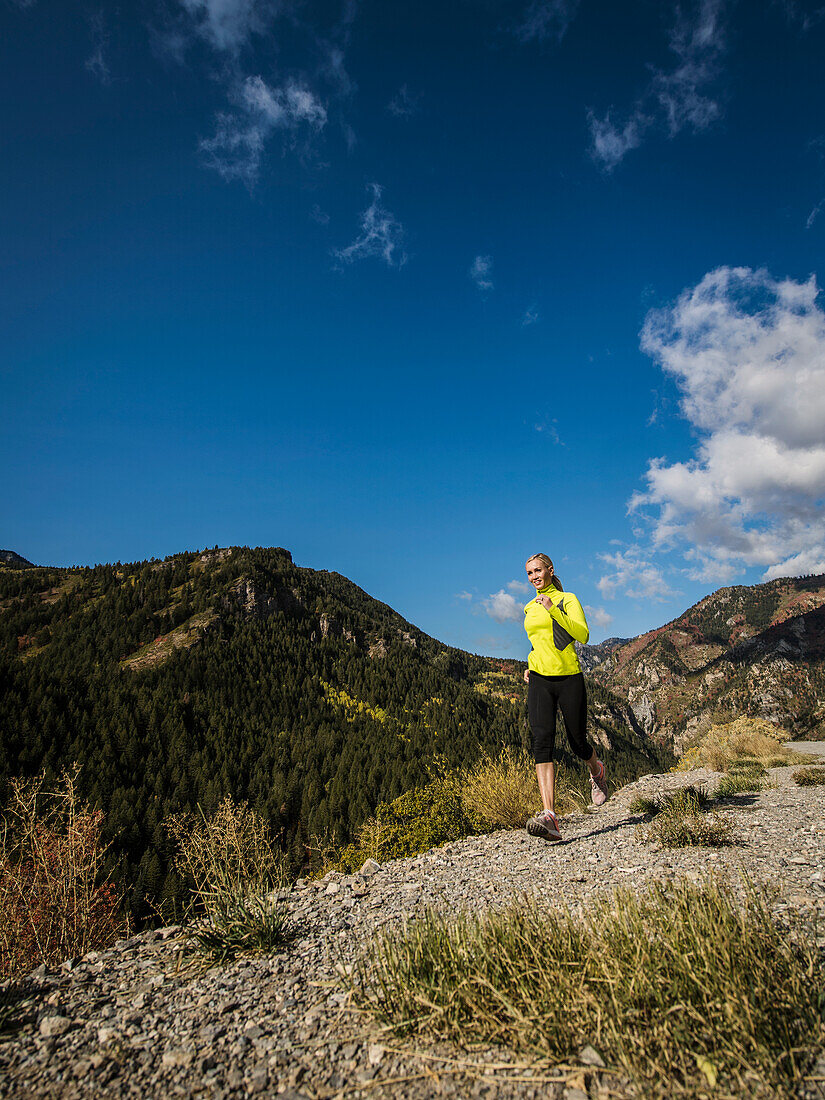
[{"x": 570, "y": 615}]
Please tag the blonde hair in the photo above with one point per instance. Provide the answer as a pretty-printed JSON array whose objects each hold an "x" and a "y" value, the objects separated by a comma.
[{"x": 549, "y": 563}]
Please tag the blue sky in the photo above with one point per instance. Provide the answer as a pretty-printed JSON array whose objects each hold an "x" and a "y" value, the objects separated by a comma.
[{"x": 417, "y": 290}]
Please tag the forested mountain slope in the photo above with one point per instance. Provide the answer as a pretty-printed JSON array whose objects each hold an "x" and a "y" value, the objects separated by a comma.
[
  {"x": 234, "y": 672},
  {"x": 757, "y": 651}
]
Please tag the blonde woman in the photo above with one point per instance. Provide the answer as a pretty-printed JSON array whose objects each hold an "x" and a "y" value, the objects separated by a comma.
[{"x": 554, "y": 619}]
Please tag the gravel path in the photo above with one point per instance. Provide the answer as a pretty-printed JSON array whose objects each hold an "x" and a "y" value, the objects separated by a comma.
[{"x": 123, "y": 1023}]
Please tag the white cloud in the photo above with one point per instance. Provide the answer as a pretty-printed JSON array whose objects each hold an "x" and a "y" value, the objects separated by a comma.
[
  {"x": 610, "y": 143},
  {"x": 228, "y": 24},
  {"x": 238, "y": 145},
  {"x": 599, "y": 616},
  {"x": 676, "y": 98},
  {"x": 481, "y": 272},
  {"x": 519, "y": 586},
  {"x": 547, "y": 19},
  {"x": 381, "y": 235},
  {"x": 636, "y": 576},
  {"x": 530, "y": 316},
  {"x": 747, "y": 352},
  {"x": 464, "y": 595},
  {"x": 502, "y": 607}
]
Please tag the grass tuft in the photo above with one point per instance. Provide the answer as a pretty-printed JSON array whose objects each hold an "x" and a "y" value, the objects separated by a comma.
[
  {"x": 237, "y": 880},
  {"x": 642, "y": 805},
  {"x": 809, "y": 777},
  {"x": 668, "y": 987},
  {"x": 744, "y": 740},
  {"x": 681, "y": 820},
  {"x": 740, "y": 783}
]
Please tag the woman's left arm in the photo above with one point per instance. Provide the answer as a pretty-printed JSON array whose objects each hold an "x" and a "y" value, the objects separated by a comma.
[{"x": 570, "y": 615}]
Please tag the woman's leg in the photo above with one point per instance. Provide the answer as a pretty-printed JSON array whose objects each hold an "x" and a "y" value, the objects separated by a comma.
[
  {"x": 541, "y": 708},
  {"x": 573, "y": 703}
]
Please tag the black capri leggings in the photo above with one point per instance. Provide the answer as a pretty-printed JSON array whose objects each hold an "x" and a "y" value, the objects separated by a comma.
[{"x": 544, "y": 695}]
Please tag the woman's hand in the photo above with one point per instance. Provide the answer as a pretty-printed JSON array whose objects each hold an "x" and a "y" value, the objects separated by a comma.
[
  {"x": 545, "y": 602},
  {"x": 527, "y": 676}
]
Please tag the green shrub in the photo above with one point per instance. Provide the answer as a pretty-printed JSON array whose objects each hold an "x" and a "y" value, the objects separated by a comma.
[
  {"x": 418, "y": 820},
  {"x": 642, "y": 805},
  {"x": 809, "y": 777},
  {"x": 748, "y": 766},
  {"x": 681, "y": 988}
]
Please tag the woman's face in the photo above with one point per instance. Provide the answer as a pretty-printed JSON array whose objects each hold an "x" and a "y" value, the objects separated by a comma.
[{"x": 539, "y": 574}]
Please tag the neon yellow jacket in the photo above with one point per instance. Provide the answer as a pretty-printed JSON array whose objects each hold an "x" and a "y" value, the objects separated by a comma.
[{"x": 552, "y": 633}]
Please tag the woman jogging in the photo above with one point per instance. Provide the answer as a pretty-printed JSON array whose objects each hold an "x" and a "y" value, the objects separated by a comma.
[{"x": 553, "y": 621}]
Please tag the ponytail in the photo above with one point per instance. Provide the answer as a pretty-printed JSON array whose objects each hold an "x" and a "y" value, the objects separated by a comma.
[{"x": 548, "y": 562}]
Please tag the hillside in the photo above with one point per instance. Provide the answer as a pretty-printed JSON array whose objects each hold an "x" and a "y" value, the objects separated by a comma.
[
  {"x": 757, "y": 651},
  {"x": 235, "y": 672},
  {"x": 128, "y": 1020}
]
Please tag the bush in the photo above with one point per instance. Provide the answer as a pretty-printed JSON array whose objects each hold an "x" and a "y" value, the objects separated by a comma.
[
  {"x": 56, "y": 903},
  {"x": 418, "y": 820},
  {"x": 809, "y": 777},
  {"x": 746, "y": 739},
  {"x": 237, "y": 880},
  {"x": 680, "y": 987},
  {"x": 502, "y": 790}
]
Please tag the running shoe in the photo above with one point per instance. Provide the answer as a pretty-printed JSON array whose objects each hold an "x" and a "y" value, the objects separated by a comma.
[
  {"x": 598, "y": 786},
  {"x": 545, "y": 825}
]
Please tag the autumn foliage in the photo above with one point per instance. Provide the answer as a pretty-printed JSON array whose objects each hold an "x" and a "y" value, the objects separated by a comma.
[{"x": 56, "y": 903}]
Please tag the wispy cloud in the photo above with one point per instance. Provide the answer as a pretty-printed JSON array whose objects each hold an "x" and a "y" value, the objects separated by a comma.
[
  {"x": 747, "y": 352},
  {"x": 96, "y": 62},
  {"x": 530, "y": 316},
  {"x": 464, "y": 595},
  {"x": 545, "y": 19},
  {"x": 674, "y": 99},
  {"x": 403, "y": 104},
  {"x": 381, "y": 236},
  {"x": 228, "y": 24},
  {"x": 802, "y": 15},
  {"x": 481, "y": 272},
  {"x": 236, "y": 150}
]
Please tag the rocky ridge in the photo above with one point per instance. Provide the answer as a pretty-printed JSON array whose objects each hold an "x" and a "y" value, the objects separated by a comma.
[{"x": 127, "y": 1023}]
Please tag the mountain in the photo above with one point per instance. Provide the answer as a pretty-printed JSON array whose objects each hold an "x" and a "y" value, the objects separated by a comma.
[
  {"x": 13, "y": 561},
  {"x": 590, "y": 656},
  {"x": 757, "y": 651},
  {"x": 235, "y": 672}
]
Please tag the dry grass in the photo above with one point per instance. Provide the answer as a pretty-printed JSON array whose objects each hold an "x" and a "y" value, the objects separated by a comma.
[
  {"x": 740, "y": 782},
  {"x": 237, "y": 879},
  {"x": 56, "y": 902},
  {"x": 746, "y": 739},
  {"x": 809, "y": 777},
  {"x": 503, "y": 792},
  {"x": 682, "y": 988}
]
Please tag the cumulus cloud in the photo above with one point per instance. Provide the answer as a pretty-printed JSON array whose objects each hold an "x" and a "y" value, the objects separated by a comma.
[
  {"x": 238, "y": 145},
  {"x": 546, "y": 19},
  {"x": 481, "y": 272},
  {"x": 381, "y": 236},
  {"x": 519, "y": 586},
  {"x": 632, "y": 573},
  {"x": 503, "y": 607},
  {"x": 228, "y": 24},
  {"x": 599, "y": 616},
  {"x": 676, "y": 98},
  {"x": 747, "y": 352}
]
